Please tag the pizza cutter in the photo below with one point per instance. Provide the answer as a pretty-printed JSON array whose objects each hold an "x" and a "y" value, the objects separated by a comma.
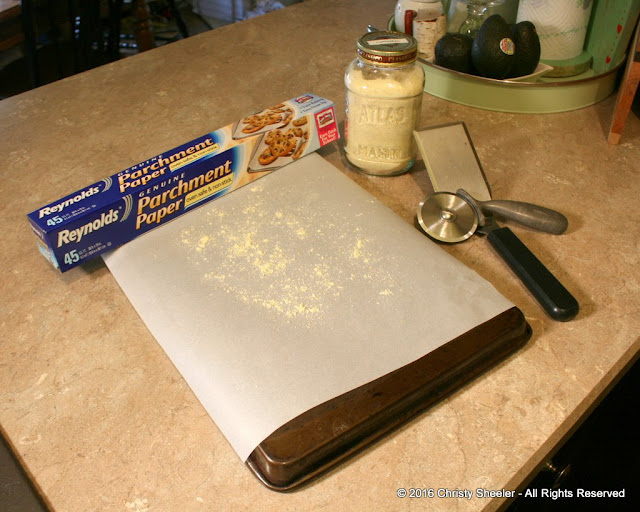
[
  {"x": 449, "y": 217},
  {"x": 452, "y": 218}
]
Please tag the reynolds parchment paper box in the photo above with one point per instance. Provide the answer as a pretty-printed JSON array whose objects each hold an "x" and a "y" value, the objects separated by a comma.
[{"x": 117, "y": 209}]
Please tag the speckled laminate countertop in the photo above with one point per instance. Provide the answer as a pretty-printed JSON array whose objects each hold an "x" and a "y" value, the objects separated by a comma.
[{"x": 103, "y": 421}]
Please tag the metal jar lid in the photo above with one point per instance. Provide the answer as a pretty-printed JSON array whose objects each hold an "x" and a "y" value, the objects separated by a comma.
[{"x": 388, "y": 48}]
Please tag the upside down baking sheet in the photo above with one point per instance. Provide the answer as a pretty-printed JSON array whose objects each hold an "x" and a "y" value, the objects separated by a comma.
[{"x": 291, "y": 291}]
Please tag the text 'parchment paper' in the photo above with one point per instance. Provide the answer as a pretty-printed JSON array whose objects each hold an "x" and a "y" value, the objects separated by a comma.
[{"x": 291, "y": 291}]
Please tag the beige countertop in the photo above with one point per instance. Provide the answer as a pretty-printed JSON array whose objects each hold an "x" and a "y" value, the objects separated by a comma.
[{"x": 103, "y": 421}]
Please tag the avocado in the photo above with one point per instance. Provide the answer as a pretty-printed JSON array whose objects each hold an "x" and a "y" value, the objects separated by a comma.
[
  {"x": 493, "y": 50},
  {"x": 453, "y": 51},
  {"x": 527, "y": 43}
]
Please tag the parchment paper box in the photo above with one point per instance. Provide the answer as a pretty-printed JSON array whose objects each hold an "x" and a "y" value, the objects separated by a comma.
[{"x": 117, "y": 209}]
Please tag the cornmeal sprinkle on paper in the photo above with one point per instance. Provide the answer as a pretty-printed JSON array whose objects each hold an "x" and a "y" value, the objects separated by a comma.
[{"x": 266, "y": 256}]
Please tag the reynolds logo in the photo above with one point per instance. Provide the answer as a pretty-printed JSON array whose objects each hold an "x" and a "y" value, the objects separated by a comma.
[
  {"x": 57, "y": 208},
  {"x": 67, "y": 236}
]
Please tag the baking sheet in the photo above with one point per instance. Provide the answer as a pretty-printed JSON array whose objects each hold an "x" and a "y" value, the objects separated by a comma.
[{"x": 294, "y": 290}]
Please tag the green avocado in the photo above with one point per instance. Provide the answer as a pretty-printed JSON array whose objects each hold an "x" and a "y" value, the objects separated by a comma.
[
  {"x": 527, "y": 43},
  {"x": 453, "y": 51},
  {"x": 493, "y": 50}
]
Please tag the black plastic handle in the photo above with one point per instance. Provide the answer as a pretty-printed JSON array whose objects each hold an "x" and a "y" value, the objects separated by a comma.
[{"x": 554, "y": 298}]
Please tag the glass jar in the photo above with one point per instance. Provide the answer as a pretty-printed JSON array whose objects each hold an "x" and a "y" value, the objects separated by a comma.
[
  {"x": 467, "y": 16},
  {"x": 384, "y": 96}
]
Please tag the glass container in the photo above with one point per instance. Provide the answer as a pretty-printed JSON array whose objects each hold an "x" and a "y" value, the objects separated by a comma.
[
  {"x": 467, "y": 16},
  {"x": 384, "y": 87}
]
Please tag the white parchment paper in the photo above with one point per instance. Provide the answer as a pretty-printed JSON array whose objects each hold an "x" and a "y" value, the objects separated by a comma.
[{"x": 291, "y": 291}]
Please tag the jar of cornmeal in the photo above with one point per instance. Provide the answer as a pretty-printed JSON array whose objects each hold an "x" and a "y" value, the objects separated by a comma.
[{"x": 384, "y": 96}]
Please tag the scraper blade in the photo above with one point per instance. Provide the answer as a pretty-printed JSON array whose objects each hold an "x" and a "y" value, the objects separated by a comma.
[{"x": 451, "y": 160}]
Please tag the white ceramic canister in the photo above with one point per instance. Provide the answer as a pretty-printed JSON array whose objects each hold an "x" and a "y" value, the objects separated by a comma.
[
  {"x": 407, "y": 10},
  {"x": 383, "y": 101}
]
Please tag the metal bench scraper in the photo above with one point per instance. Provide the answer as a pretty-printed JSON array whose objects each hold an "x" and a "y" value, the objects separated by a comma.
[{"x": 451, "y": 160}]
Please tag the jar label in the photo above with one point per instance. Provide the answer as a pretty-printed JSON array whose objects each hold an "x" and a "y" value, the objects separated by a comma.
[
  {"x": 387, "y": 59},
  {"x": 376, "y": 42}
]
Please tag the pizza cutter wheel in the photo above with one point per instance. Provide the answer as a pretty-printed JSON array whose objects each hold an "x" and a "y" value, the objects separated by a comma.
[{"x": 447, "y": 217}]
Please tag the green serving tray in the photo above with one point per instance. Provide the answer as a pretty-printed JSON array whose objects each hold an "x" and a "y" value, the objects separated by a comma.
[
  {"x": 540, "y": 96},
  {"x": 546, "y": 95}
]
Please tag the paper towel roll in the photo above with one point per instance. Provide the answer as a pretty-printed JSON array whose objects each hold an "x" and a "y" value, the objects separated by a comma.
[{"x": 561, "y": 25}]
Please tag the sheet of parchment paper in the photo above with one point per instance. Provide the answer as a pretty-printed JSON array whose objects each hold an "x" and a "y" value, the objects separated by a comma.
[{"x": 291, "y": 291}]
